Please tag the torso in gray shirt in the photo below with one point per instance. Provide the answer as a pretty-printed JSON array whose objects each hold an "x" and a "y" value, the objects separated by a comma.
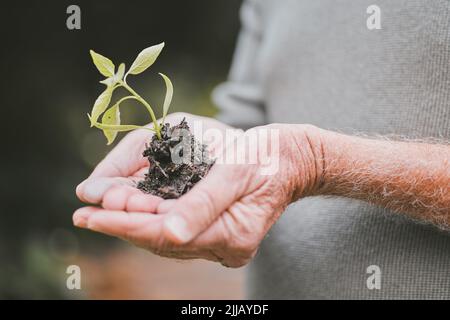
[{"x": 316, "y": 62}]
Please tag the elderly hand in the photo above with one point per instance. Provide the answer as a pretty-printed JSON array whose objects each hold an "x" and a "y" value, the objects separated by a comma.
[{"x": 225, "y": 216}]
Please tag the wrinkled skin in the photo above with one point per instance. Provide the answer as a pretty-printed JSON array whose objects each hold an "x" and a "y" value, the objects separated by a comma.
[{"x": 223, "y": 218}]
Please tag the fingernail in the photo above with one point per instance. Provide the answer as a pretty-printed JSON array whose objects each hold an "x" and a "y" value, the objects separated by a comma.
[
  {"x": 76, "y": 221},
  {"x": 79, "y": 222},
  {"x": 178, "y": 227},
  {"x": 93, "y": 190},
  {"x": 80, "y": 217}
]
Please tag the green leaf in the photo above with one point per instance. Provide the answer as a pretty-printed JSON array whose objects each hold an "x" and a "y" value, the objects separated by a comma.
[
  {"x": 101, "y": 104},
  {"x": 168, "y": 97},
  {"x": 120, "y": 72},
  {"x": 103, "y": 64},
  {"x": 111, "y": 117},
  {"x": 145, "y": 59},
  {"x": 109, "y": 82},
  {"x": 116, "y": 127}
]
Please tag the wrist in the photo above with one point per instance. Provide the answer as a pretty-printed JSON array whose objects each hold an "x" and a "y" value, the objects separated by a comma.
[{"x": 308, "y": 144}]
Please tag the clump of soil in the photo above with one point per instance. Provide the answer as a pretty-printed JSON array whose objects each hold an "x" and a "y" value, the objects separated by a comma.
[{"x": 169, "y": 179}]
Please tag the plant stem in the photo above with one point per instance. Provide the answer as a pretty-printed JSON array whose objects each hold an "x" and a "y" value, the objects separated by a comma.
[
  {"x": 126, "y": 98},
  {"x": 145, "y": 103}
]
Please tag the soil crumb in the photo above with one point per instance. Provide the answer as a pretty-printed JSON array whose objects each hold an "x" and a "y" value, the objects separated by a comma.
[{"x": 177, "y": 162}]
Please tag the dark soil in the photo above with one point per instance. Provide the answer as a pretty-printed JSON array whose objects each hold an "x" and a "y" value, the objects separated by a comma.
[{"x": 165, "y": 178}]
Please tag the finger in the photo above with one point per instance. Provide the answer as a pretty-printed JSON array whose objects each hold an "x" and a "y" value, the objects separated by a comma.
[
  {"x": 165, "y": 206},
  {"x": 142, "y": 202},
  {"x": 141, "y": 172},
  {"x": 92, "y": 190},
  {"x": 146, "y": 232},
  {"x": 130, "y": 199},
  {"x": 140, "y": 228},
  {"x": 81, "y": 216},
  {"x": 116, "y": 197},
  {"x": 197, "y": 209}
]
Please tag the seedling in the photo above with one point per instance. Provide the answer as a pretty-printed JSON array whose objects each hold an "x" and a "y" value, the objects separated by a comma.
[
  {"x": 165, "y": 178},
  {"x": 110, "y": 121}
]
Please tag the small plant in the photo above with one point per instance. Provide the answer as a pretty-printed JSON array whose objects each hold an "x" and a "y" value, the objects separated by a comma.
[
  {"x": 165, "y": 178},
  {"x": 110, "y": 121}
]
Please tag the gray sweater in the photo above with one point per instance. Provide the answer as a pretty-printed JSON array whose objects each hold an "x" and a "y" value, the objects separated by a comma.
[{"x": 304, "y": 61}]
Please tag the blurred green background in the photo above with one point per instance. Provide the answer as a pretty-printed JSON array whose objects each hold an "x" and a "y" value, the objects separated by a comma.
[{"x": 48, "y": 85}]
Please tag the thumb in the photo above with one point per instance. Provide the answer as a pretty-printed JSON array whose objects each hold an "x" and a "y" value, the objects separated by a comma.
[{"x": 195, "y": 211}]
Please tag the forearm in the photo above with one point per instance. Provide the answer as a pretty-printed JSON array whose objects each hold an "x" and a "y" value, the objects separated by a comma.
[{"x": 408, "y": 177}]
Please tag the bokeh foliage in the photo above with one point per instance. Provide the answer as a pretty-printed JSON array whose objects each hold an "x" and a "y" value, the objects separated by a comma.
[{"x": 48, "y": 86}]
